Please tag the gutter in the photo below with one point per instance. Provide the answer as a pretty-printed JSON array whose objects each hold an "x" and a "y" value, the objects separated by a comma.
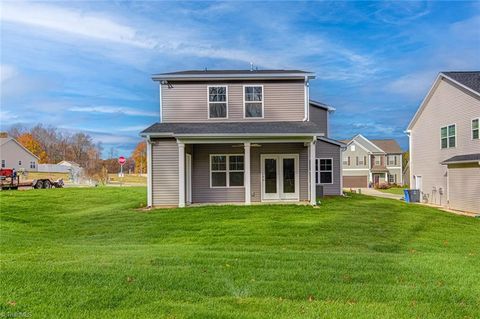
[
  {"x": 199, "y": 77},
  {"x": 171, "y": 134}
]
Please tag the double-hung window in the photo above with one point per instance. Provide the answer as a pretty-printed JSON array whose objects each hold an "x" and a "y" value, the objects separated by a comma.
[
  {"x": 32, "y": 164},
  {"x": 475, "y": 129},
  {"x": 448, "y": 136},
  {"x": 324, "y": 171},
  {"x": 226, "y": 170},
  {"x": 217, "y": 102},
  {"x": 253, "y": 101}
]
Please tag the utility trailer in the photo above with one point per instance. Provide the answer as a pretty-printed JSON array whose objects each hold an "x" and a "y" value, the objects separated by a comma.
[{"x": 10, "y": 180}]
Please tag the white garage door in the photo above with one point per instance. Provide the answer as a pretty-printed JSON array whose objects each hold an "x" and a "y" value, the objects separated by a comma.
[{"x": 464, "y": 188}]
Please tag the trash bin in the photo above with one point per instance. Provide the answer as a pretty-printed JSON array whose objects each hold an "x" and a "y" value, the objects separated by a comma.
[
  {"x": 406, "y": 193},
  {"x": 414, "y": 196}
]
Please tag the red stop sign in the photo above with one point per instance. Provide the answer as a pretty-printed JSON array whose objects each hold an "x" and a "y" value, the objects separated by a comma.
[{"x": 121, "y": 160}]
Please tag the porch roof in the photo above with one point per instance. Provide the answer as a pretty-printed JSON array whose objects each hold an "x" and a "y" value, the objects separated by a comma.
[
  {"x": 466, "y": 158},
  {"x": 291, "y": 128}
]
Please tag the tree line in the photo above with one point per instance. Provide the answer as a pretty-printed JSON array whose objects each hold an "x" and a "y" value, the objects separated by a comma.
[{"x": 52, "y": 146}]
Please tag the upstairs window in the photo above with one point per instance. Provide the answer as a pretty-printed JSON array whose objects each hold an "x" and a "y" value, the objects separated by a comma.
[
  {"x": 3, "y": 163},
  {"x": 253, "y": 101},
  {"x": 377, "y": 160},
  {"x": 475, "y": 129},
  {"x": 448, "y": 136},
  {"x": 32, "y": 164},
  {"x": 217, "y": 102}
]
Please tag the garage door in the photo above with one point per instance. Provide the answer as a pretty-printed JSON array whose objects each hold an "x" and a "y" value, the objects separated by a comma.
[
  {"x": 355, "y": 181},
  {"x": 464, "y": 184}
]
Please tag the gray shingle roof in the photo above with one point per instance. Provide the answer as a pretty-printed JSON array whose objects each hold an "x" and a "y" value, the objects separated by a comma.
[
  {"x": 467, "y": 158},
  {"x": 200, "y": 72},
  {"x": 236, "y": 128},
  {"x": 470, "y": 79}
]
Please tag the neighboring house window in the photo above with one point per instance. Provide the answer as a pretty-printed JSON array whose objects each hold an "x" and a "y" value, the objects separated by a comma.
[
  {"x": 32, "y": 164},
  {"x": 3, "y": 163},
  {"x": 253, "y": 99},
  {"x": 391, "y": 179},
  {"x": 377, "y": 160},
  {"x": 348, "y": 161},
  {"x": 392, "y": 159},
  {"x": 475, "y": 129},
  {"x": 352, "y": 148},
  {"x": 345, "y": 161},
  {"x": 356, "y": 160},
  {"x": 448, "y": 136},
  {"x": 19, "y": 162},
  {"x": 324, "y": 173},
  {"x": 217, "y": 102},
  {"x": 226, "y": 170},
  {"x": 364, "y": 160}
]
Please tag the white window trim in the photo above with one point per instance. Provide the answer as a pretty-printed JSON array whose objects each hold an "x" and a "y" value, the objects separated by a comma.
[
  {"x": 227, "y": 170},
  {"x": 318, "y": 171},
  {"x": 244, "y": 102},
  {"x": 448, "y": 142},
  {"x": 208, "y": 101},
  {"x": 471, "y": 129}
]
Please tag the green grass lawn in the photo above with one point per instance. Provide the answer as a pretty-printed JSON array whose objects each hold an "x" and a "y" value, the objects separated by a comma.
[
  {"x": 78, "y": 253},
  {"x": 393, "y": 190}
]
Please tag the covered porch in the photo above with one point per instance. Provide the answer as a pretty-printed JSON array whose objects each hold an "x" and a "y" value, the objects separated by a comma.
[{"x": 244, "y": 172}]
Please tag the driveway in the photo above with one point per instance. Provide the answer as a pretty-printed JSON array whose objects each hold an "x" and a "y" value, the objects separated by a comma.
[{"x": 374, "y": 192}]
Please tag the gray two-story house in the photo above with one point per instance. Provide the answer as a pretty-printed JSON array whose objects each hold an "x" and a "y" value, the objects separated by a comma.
[
  {"x": 240, "y": 136},
  {"x": 371, "y": 162}
]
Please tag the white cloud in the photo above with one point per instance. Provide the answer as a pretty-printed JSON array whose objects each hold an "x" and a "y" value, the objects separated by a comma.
[
  {"x": 135, "y": 128},
  {"x": 7, "y": 116},
  {"x": 72, "y": 21},
  {"x": 113, "y": 110},
  {"x": 413, "y": 85}
]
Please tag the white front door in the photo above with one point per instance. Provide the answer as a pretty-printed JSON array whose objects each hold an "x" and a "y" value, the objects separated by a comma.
[
  {"x": 280, "y": 177},
  {"x": 188, "y": 178}
]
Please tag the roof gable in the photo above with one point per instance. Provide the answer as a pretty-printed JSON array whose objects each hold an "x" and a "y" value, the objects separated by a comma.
[
  {"x": 467, "y": 80},
  {"x": 6, "y": 140}
]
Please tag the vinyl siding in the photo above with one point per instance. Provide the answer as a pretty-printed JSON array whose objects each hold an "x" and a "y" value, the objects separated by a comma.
[
  {"x": 327, "y": 150},
  {"x": 165, "y": 172},
  {"x": 187, "y": 101},
  {"x": 12, "y": 153},
  {"x": 464, "y": 187},
  {"x": 449, "y": 104},
  {"x": 320, "y": 117},
  {"x": 360, "y": 152},
  {"x": 201, "y": 191}
]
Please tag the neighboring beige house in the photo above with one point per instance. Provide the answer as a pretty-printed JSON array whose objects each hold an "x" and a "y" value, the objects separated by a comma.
[
  {"x": 371, "y": 162},
  {"x": 445, "y": 144},
  {"x": 240, "y": 136},
  {"x": 14, "y": 155}
]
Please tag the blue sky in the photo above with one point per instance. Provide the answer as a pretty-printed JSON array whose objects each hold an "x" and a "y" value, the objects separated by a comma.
[{"x": 86, "y": 66}]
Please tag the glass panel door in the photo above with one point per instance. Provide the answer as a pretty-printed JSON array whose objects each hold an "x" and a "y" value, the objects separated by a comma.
[
  {"x": 288, "y": 175},
  {"x": 270, "y": 173}
]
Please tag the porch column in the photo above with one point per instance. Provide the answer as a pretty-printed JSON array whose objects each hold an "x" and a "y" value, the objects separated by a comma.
[
  {"x": 313, "y": 192},
  {"x": 149, "y": 173},
  {"x": 181, "y": 174},
  {"x": 248, "y": 192}
]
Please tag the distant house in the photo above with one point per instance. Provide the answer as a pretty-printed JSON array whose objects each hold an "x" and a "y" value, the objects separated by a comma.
[
  {"x": 15, "y": 155},
  {"x": 68, "y": 163},
  {"x": 445, "y": 142},
  {"x": 371, "y": 162}
]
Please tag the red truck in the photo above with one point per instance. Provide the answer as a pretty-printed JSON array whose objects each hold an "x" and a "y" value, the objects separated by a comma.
[{"x": 10, "y": 180}]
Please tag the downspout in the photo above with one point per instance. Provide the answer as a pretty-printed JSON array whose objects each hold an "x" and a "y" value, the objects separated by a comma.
[
  {"x": 409, "y": 133},
  {"x": 149, "y": 172},
  {"x": 160, "y": 99},
  {"x": 307, "y": 100}
]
